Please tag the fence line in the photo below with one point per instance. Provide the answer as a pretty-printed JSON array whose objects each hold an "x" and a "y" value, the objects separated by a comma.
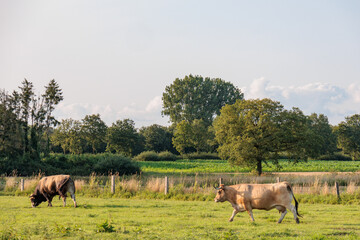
[{"x": 188, "y": 182}]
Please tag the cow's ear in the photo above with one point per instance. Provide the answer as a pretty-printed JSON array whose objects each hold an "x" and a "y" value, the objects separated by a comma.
[
  {"x": 32, "y": 196},
  {"x": 222, "y": 186}
]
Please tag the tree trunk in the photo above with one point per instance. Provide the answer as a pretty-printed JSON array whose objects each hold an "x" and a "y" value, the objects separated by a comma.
[{"x": 259, "y": 167}]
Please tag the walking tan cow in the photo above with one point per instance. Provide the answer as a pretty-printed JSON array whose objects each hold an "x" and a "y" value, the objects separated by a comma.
[
  {"x": 50, "y": 186},
  {"x": 246, "y": 197}
]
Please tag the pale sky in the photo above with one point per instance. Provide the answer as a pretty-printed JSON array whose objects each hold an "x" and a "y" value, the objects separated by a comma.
[{"x": 116, "y": 57}]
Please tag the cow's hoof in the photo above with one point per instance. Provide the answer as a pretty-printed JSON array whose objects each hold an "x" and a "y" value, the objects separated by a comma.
[
  {"x": 297, "y": 221},
  {"x": 230, "y": 220}
]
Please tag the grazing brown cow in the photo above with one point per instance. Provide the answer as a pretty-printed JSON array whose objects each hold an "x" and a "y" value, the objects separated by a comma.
[
  {"x": 246, "y": 197},
  {"x": 50, "y": 186}
]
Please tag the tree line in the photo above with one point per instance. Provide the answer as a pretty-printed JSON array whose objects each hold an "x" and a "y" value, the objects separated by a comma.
[{"x": 206, "y": 115}]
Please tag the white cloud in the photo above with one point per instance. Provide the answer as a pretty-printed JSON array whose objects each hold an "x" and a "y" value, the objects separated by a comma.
[
  {"x": 155, "y": 104},
  {"x": 334, "y": 101},
  {"x": 151, "y": 114},
  {"x": 354, "y": 90}
]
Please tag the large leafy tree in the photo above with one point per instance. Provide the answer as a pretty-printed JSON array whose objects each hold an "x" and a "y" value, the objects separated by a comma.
[
  {"x": 348, "y": 133},
  {"x": 34, "y": 114},
  {"x": 251, "y": 132},
  {"x": 122, "y": 137},
  {"x": 10, "y": 134},
  {"x": 197, "y": 98},
  {"x": 324, "y": 140},
  {"x": 69, "y": 136},
  {"x": 181, "y": 139},
  {"x": 157, "y": 138},
  {"x": 94, "y": 131},
  {"x": 194, "y": 136}
]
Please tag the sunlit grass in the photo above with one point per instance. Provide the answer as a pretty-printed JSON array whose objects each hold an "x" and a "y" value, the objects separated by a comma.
[{"x": 113, "y": 218}]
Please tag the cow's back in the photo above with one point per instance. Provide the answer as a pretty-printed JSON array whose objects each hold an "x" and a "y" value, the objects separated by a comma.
[
  {"x": 51, "y": 184},
  {"x": 264, "y": 196}
]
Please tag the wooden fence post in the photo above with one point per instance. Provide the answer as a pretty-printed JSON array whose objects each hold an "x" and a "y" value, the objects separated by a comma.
[
  {"x": 220, "y": 181},
  {"x": 112, "y": 184},
  {"x": 337, "y": 190},
  {"x": 22, "y": 183},
  {"x": 278, "y": 179},
  {"x": 166, "y": 185}
]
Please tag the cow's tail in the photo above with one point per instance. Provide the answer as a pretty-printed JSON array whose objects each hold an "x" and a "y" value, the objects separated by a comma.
[
  {"x": 296, "y": 202},
  {"x": 61, "y": 185}
]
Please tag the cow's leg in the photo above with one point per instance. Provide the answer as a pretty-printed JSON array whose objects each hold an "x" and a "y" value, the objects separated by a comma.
[
  {"x": 48, "y": 199},
  {"x": 64, "y": 200},
  {"x": 293, "y": 210},
  {"x": 73, "y": 198},
  {"x": 251, "y": 214},
  {"x": 282, "y": 216},
  {"x": 283, "y": 212},
  {"x": 233, "y": 215},
  {"x": 248, "y": 208}
]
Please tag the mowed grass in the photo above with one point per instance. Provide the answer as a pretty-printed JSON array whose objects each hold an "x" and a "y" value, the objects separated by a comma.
[
  {"x": 222, "y": 166},
  {"x": 155, "y": 219}
]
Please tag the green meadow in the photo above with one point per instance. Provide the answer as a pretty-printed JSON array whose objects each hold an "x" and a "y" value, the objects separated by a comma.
[
  {"x": 113, "y": 218},
  {"x": 222, "y": 166}
]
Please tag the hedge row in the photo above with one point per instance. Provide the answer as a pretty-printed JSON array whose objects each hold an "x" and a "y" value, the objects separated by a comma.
[{"x": 79, "y": 165}]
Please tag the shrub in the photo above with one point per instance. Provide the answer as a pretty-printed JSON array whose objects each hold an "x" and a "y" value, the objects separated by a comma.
[
  {"x": 111, "y": 163},
  {"x": 105, "y": 227},
  {"x": 147, "y": 156},
  {"x": 85, "y": 164},
  {"x": 167, "y": 156},
  {"x": 335, "y": 156}
]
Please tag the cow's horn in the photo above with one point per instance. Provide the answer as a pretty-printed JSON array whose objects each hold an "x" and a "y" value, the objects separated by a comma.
[{"x": 217, "y": 188}]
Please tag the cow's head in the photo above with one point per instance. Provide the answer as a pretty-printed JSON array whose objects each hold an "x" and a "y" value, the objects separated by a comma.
[
  {"x": 36, "y": 200},
  {"x": 220, "y": 195}
]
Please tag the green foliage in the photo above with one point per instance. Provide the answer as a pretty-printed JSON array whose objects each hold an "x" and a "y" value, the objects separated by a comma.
[
  {"x": 94, "y": 131},
  {"x": 167, "y": 156},
  {"x": 197, "y": 98},
  {"x": 194, "y": 136},
  {"x": 335, "y": 156},
  {"x": 23, "y": 165},
  {"x": 181, "y": 139},
  {"x": 111, "y": 163},
  {"x": 27, "y": 120},
  {"x": 157, "y": 138},
  {"x": 123, "y": 138},
  {"x": 10, "y": 133},
  {"x": 153, "y": 156},
  {"x": 105, "y": 227},
  {"x": 52, "y": 97},
  {"x": 348, "y": 133},
  {"x": 251, "y": 132},
  {"x": 77, "y": 165},
  {"x": 324, "y": 140},
  {"x": 85, "y": 164},
  {"x": 147, "y": 156},
  {"x": 69, "y": 136},
  {"x": 247, "y": 132}
]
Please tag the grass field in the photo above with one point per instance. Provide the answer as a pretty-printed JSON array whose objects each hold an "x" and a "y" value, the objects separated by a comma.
[
  {"x": 222, "y": 166},
  {"x": 113, "y": 218}
]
